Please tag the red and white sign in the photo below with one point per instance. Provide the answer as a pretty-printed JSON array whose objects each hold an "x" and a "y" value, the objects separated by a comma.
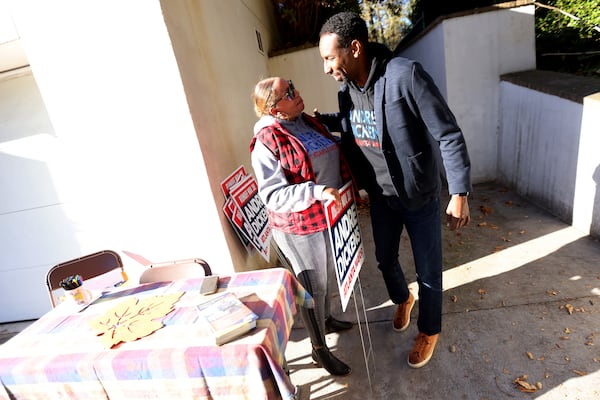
[
  {"x": 246, "y": 211},
  {"x": 346, "y": 242}
]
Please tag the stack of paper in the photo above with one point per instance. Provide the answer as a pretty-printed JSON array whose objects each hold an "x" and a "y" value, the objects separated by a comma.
[{"x": 227, "y": 317}]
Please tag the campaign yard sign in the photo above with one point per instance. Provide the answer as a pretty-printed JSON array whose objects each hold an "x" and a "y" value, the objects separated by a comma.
[
  {"x": 346, "y": 242},
  {"x": 237, "y": 220},
  {"x": 233, "y": 179},
  {"x": 246, "y": 212},
  {"x": 231, "y": 211},
  {"x": 256, "y": 221}
]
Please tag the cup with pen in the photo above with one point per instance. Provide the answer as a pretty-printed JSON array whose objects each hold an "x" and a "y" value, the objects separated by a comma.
[{"x": 73, "y": 286}]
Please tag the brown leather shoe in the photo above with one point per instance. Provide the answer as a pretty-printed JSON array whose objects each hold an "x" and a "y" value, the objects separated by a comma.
[
  {"x": 402, "y": 315},
  {"x": 422, "y": 350}
]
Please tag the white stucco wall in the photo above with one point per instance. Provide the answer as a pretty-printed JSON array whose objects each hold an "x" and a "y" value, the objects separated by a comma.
[
  {"x": 429, "y": 51},
  {"x": 305, "y": 68},
  {"x": 466, "y": 56},
  {"x": 219, "y": 62},
  {"x": 121, "y": 133},
  {"x": 586, "y": 203},
  {"x": 29, "y": 215},
  {"x": 538, "y": 147},
  {"x": 12, "y": 55}
]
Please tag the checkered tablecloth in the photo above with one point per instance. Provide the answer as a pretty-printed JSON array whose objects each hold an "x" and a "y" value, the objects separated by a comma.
[{"x": 60, "y": 357}]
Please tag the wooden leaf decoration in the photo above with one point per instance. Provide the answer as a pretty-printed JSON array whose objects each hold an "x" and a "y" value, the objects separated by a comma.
[{"x": 133, "y": 318}]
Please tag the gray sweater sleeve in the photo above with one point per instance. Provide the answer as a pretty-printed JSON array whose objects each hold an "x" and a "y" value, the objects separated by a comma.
[{"x": 273, "y": 187}]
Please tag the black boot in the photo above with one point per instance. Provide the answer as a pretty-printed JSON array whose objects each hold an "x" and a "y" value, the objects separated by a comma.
[
  {"x": 320, "y": 353},
  {"x": 324, "y": 358},
  {"x": 335, "y": 325}
]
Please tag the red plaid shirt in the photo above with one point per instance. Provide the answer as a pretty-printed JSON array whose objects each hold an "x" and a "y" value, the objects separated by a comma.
[{"x": 297, "y": 167}]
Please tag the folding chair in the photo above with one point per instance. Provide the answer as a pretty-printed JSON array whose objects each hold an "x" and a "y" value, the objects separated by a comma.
[
  {"x": 178, "y": 269},
  {"x": 88, "y": 267}
]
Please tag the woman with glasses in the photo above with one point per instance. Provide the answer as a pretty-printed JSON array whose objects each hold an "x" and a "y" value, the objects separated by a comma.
[{"x": 298, "y": 166}]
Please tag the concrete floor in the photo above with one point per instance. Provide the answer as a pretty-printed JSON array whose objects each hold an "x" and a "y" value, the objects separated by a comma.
[
  {"x": 510, "y": 279},
  {"x": 521, "y": 298}
]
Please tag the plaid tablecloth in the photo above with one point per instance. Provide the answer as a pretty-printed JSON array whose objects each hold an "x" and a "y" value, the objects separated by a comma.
[{"x": 60, "y": 357}]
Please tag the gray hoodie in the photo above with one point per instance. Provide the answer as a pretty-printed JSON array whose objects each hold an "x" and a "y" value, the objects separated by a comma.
[{"x": 274, "y": 189}]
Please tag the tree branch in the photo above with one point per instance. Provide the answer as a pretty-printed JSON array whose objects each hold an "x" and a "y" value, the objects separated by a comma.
[{"x": 595, "y": 27}]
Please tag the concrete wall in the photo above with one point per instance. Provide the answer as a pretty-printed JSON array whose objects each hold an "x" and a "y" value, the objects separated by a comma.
[
  {"x": 219, "y": 61},
  {"x": 586, "y": 204},
  {"x": 120, "y": 133},
  {"x": 548, "y": 144},
  {"x": 305, "y": 68},
  {"x": 466, "y": 54},
  {"x": 12, "y": 54},
  {"x": 538, "y": 146}
]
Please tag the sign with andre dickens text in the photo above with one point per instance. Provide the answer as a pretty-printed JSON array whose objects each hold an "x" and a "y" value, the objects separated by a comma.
[
  {"x": 244, "y": 196},
  {"x": 346, "y": 242}
]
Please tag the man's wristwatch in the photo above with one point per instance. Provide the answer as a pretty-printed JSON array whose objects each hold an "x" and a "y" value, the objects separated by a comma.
[{"x": 463, "y": 194}]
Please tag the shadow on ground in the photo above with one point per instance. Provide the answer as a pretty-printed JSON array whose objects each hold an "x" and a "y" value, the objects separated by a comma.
[{"x": 521, "y": 300}]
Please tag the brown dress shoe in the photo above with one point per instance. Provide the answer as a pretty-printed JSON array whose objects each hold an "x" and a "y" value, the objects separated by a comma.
[
  {"x": 422, "y": 350},
  {"x": 402, "y": 315}
]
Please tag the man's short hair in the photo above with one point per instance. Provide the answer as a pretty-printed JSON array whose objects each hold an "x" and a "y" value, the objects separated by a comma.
[{"x": 348, "y": 26}]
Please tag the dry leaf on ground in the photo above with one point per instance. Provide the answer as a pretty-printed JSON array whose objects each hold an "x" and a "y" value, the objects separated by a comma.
[
  {"x": 485, "y": 210},
  {"x": 524, "y": 386},
  {"x": 569, "y": 308}
]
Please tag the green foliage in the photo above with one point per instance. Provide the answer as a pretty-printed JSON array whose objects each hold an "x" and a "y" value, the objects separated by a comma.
[
  {"x": 387, "y": 20},
  {"x": 587, "y": 13},
  {"x": 299, "y": 21},
  {"x": 569, "y": 43}
]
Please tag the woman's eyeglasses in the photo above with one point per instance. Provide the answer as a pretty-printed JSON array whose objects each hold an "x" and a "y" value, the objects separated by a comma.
[{"x": 290, "y": 93}]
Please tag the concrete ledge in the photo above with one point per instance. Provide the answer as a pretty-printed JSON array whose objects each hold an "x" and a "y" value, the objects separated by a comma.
[{"x": 566, "y": 86}]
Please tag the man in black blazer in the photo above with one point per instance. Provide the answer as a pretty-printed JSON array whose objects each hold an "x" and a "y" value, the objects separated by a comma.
[{"x": 393, "y": 120}]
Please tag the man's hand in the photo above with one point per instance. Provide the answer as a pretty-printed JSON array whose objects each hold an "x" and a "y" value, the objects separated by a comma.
[{"x": 458, "y": 212}]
